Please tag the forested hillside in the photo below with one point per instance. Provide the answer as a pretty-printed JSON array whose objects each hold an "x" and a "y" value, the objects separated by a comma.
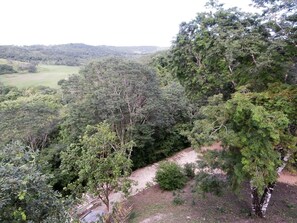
[{"x": 70, "y": 54}]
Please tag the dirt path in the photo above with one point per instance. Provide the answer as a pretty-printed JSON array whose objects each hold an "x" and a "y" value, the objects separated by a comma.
[
  {"x": 144, "y": 178},
  {"x": 288, "y": 178}
]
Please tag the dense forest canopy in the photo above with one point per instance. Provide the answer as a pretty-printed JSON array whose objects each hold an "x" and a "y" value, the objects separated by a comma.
[{"x": 120, "y": 100}]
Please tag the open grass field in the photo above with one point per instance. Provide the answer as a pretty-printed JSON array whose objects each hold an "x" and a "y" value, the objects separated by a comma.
[{"x": 47, "y": 75}]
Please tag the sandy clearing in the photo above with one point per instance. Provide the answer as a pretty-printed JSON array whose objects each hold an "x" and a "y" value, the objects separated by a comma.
[{"x": 288, "y": 178}]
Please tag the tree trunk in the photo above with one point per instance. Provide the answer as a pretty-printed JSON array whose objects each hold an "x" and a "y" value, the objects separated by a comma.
[
  {"x": 256, "y": 205},
  {"x": 266, "y": 198},
  {"x": 259, "y": 207}
]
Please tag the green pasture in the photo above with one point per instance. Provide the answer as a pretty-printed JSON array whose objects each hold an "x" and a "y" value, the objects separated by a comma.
[{"x": 47, "y": 75}]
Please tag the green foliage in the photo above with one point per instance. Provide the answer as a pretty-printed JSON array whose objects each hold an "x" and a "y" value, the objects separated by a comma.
[
  {"x": 154, "y": 144},
  {"x": 254, "y": 126},
  {"x": 164, "y": 138},
  {"x": 13, "y": 66},
  {"x": 122, "y": 92},
  {"x": 223, "y": 49},
  {"x": 27, "y": 67},
  {"x": 128, "y": 96},
  {"x": 25, "y": 195},
  {"x": 178, "y": 200},
  {"x": 6, "y": 69},
  {"x": 209, "y": 183},
  {"x": 170, "y": 176},
  {"x": 189, "y": 170},
  {"x": 161, "y": 63},
  {"x": 49, "y": 160},
  {"x": 101, "y": 161},
  {"x": 241, "y": 70},
  {"x": 31, "y": 118},
  {"x": 292, "y": 166},
  {"x": 8, "y": 92}
]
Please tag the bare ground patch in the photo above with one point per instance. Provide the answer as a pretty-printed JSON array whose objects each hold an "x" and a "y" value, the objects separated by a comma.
[{"x": 155, "y": 205}]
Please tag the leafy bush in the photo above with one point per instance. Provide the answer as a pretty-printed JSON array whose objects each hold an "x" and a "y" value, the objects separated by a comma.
[
  {"x": 209, "y": 183},
  {"x": 189, "y": 170},
  {"x": 170, "y": 176}
]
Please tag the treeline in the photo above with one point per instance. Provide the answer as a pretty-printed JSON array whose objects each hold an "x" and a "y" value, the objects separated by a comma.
[
  {"x": 10, "y": 67},
  {"x": 6, "y": 69},
  {"x": 69, "y": 54}
]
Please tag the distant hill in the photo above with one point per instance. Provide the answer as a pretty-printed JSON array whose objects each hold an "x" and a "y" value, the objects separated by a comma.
[{"x": 70, "y": 54}]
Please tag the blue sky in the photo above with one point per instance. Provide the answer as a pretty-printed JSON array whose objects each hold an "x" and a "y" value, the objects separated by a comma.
[{"x": 97, "y": 22}]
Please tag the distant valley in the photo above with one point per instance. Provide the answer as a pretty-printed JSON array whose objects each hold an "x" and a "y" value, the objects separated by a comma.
[{"x": 73, "y": 54}]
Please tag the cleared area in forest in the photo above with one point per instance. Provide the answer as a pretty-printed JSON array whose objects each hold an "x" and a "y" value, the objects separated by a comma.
[
  {"x": 154, "y": 205},
  {"x": 46, "y": 75}
]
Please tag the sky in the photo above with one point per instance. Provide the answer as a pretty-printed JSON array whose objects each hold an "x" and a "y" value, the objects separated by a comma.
[{"x": 97, "y": 22}]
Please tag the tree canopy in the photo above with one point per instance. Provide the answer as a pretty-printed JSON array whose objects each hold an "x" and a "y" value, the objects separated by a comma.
[
  {"x": 102, "y": 162},
  {"x": 223, "y": 49},
  {"x": 128, "y": 96},
  {"x": 25, "y": 194},
  {"x": 124, "y": 93},
  {"x": 30, "y": 118}
]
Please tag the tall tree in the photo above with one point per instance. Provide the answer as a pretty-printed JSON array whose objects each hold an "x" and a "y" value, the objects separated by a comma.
[
  {"x": 102, "y": 163},
  {"x": 237, "y": 67},
  {"x": 224, "y": 49},
  {"x": 258, "y": 134},
  {"x": 280, "y": 18},
  {"x": 124, "y": 93}
]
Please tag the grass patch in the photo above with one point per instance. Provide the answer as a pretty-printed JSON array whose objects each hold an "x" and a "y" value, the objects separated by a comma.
[
  {"x": 178, "y": 200},
  {"x": 47, "y": 75}
]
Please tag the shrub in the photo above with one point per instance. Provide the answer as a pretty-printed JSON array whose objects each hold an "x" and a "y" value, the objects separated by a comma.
[
  {"x": 209, "y": 183},
  {"x": 170, "y": 176},
  {"x": 189, "y": 170},
  {"x": 178, "y": 200}
]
